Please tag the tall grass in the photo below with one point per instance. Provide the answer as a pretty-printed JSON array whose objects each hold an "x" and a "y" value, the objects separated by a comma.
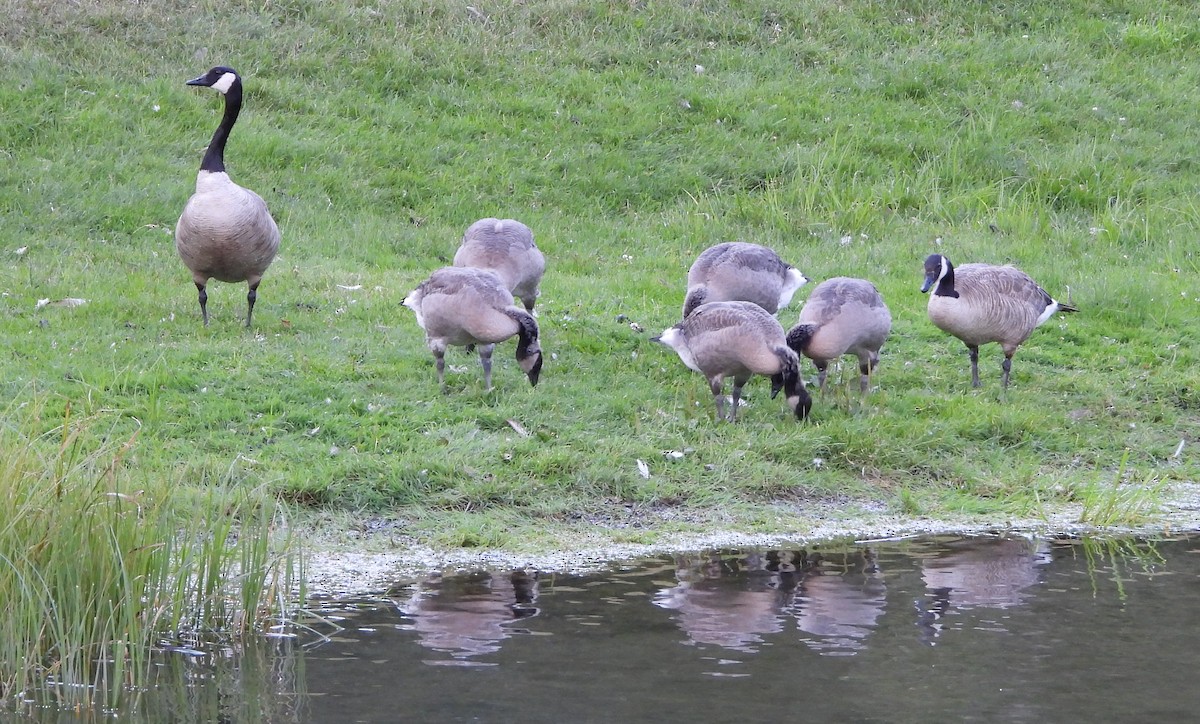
[{"x": 100, "y": 566}]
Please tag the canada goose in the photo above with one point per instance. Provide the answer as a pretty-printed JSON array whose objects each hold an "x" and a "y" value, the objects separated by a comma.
[
  {"x": 738, "y": 339},
  {"x": 225, "y": 231},
  {"x": 462, "y": 306},
  {"x": 506, "y": 247},
  {"x": 842, "y": 316},
  {"x": 737, "y": 271},
  {"x": 981, "y": 303}
]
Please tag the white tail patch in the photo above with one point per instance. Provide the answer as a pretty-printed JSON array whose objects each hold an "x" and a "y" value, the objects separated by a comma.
[
  {"x": 793, "y": 281},
  {"x": 225, "y": 82}
]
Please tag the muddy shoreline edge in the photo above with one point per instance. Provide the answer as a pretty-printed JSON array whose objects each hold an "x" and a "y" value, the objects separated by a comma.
[{"x": 342, "y": 566}]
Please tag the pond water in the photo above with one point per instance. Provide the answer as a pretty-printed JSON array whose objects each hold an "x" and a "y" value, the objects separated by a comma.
[{"x": 988, "y": 629}]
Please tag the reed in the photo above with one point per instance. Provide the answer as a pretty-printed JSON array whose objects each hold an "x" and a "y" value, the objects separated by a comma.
[{"x": 100, "y": 567}]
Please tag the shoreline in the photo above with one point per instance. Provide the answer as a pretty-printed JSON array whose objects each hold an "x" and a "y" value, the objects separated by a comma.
[{"x": 337, "y": 571}]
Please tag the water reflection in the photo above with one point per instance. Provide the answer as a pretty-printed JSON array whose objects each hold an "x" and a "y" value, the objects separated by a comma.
[
  {"x": 839, "y": 602},
  {"x": 734, "y": 601},
  {"x": 725, "y": 601},
  {"x": 704, "y": 636},
  {"x": 978, "y": 572},
  {"x": 469, "y": 615}
]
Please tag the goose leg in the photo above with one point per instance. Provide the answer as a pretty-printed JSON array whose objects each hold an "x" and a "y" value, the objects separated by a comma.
[
  {"x": 738, "y": 383},
  {"x": 439, "y": 356},
  {"x": 485, "y": 359},
  {"x": 251, "y": 297},
  {"x": 1006, "y": 366},
  {"x": 974, "y": 352},
  {"x": 203, "y": 302},
  {"x": 866, "y": 367},
  {"x": 822, "y": 372},
  {"x": 715, "y": 384}
]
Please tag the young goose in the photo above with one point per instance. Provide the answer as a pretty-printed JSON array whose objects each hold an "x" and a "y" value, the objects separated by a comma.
[
  {"x": 737, "y": 271},
  {"x": 225, "y": 231},
  {"x": 981, "y": 303},
  {"x": 506, "y": 247},
  {"x": 738, "y": 339},
  {"x": 462, "y": 306},
  {"x": 842, "y": 316}
]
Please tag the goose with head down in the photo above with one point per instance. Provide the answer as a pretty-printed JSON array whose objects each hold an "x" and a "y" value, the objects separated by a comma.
[
  {"x": 506, "y": 247},
  {"x": 738, "y": 340},
  {"x": 842, "y": 316},
  {"x": 738, "y": 271},
  {"x": 462, "y": 306}
]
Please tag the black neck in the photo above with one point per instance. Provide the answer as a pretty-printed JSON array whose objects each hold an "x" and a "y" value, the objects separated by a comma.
[
  {"x": 214, "y": 157},
  {"x": 527, "y": 331},
  {"x": 945, "y": 286}
]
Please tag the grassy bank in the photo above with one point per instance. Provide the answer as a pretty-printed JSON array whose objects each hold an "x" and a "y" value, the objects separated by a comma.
[{"x": 855, "y": 138}]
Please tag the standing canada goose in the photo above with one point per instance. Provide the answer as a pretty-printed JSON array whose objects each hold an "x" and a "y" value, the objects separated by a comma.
[
  {"x": 981, "y": 303},
  {"x": 225, "y": 231},
  {"x": 738, "y": 339},
  {"x": 737, "y": 271},
  {"x": 506, "y": 247},
  {"x": 463, "y": 306},
  {"x": 842, "y": 316}
]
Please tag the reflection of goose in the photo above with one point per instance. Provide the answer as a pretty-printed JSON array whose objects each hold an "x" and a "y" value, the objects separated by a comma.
[
  {"x": 992, "y": 572},
  {"x": 470, "y": 615},
  {"x": 978, "y": 572},
  {"x": 841, "y": 609},
  {"x": 725, "y": 611}
]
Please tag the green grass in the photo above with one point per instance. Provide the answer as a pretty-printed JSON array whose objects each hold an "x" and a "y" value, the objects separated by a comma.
[
  {"x": 855, "y": 138},
  {"x": 100, "y": 565}
]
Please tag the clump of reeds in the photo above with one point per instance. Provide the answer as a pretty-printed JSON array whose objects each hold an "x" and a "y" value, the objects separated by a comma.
[{"x": 99, "y": 565}]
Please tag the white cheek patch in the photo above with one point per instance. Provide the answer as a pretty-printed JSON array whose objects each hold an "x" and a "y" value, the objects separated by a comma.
[{"x": 225, "y": 82}]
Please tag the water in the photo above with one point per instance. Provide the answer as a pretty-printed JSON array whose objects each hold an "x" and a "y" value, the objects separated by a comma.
[{"x": 948, "y": 629}]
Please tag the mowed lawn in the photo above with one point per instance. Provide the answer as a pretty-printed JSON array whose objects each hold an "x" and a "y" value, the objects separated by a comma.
[{"x": 854, "y": 138}]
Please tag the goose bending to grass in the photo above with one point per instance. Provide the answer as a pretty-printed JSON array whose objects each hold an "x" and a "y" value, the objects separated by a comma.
[
  {"x": 462, "y": 306},
  {"x": 737, "y": 271},
  {"x": 738, "y": 340},
  {"x": 506, "y": 247},
  {"x": 225, "y": 231},
  {"x": 842, "y": 316},
  {"x": 981, "y": 303}
]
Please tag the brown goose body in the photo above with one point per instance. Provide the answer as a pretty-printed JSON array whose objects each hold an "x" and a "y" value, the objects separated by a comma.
[
  {"x": 983, "y": 303},
  {"x": 842, "y": 316},
  {"x": 738, "y": 340},
  {"x": 738, "y": 271},
  {"x": 462, "y": 306},
  {"x": 225, "y": 231},
  {"x": 506, "y": 247}
]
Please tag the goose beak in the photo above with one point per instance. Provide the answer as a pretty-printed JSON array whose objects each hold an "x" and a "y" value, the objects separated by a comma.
[
  {"x": 198, "y": 81},
  {"x": 928, "y": 283},
  {"x": 535, "y": 372}
]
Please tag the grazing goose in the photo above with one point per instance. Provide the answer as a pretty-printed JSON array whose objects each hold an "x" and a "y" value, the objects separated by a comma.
[
  {"x": 225, "y": 231},
  {"x": 737, "y": 271},
  {"x": 738, "y": 339},
  {"x": 981, "y": 303},
  {"x": 842, "y": 316},
  {"x": 462, "y": 306},
  {"x": 506, "y": 247}
]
